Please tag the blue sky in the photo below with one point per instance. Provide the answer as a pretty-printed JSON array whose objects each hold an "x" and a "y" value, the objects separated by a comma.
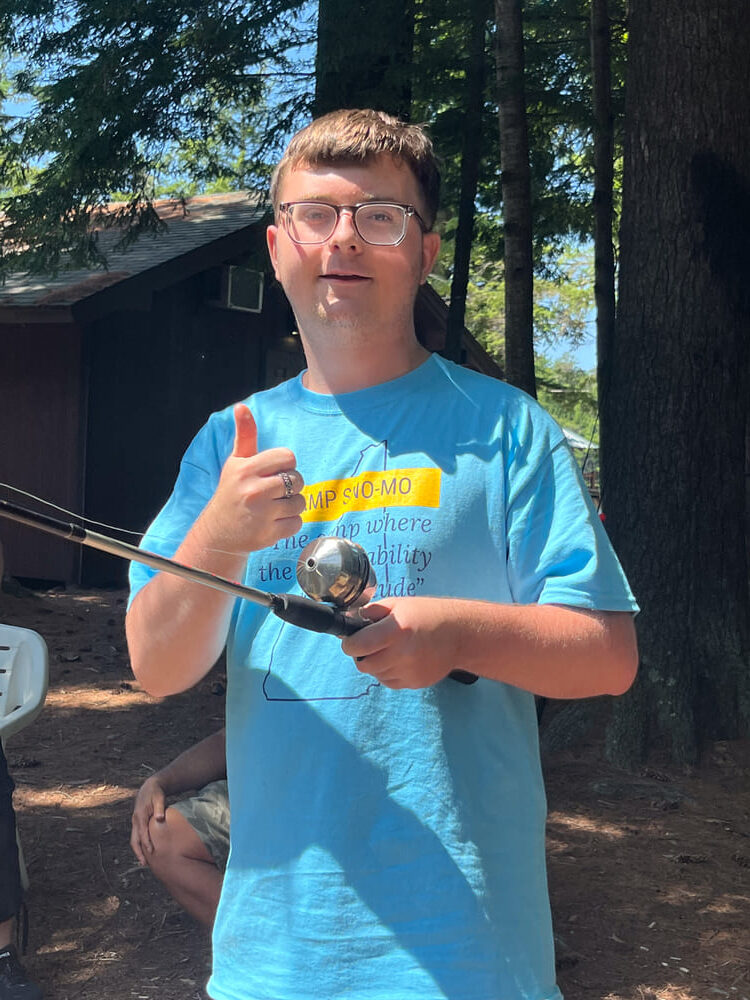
[{"x": 584, "y": 356}]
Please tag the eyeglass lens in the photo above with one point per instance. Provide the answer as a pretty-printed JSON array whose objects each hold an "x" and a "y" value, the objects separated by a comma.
[{"x": 378, "y": 223}]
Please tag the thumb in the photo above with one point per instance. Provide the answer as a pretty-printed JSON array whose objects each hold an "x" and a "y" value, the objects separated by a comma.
[
  {"x": 159, "y": 803},
  {"x": 245, "y": 433},
  {"x": 375, "y": 612}
]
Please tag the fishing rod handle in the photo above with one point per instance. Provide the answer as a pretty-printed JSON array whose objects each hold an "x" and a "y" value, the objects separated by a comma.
[
  {"x": 313, "y": 616},
  {"x": 463, "y": 677}
]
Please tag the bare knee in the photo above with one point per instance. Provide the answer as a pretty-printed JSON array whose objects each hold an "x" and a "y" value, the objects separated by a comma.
[{"x": 175, "y": 841}]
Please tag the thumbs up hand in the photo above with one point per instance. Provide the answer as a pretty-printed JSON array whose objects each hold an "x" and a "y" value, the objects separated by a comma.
[{"x": 257, "y": 501}]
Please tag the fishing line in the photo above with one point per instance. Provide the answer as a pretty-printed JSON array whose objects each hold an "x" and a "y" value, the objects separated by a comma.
[
  {"x": 71, "y": 513},
  {"x": 586, "y": 458},
  {"x": 82, "y": 518}
]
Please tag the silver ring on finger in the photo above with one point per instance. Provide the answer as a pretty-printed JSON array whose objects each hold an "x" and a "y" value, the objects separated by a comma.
[{"x": 288, "y": 484}]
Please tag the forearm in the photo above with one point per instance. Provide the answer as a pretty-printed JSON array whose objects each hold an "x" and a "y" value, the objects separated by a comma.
[
  {"x": 550, "y": 650},
  {"x": 553, "y": 651},
  {"x": 196, "y": 766},
  {"x": 176, "y": 629}
]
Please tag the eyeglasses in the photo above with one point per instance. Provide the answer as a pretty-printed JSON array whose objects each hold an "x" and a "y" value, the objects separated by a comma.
[{"x": 381, "y": 223}]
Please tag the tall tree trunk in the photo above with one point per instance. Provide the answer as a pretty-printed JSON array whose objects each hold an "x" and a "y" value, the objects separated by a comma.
[
  {"x": 364, "y": 56},
  {"x": 673, "y": 425},
  {"x": 516, "y": 187},
  {"x": 604, "y": 257},
  {"x": 470, "y": 154}
]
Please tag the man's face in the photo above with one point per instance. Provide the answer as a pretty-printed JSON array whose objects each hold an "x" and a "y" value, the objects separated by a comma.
[{"x": 346, "y": 282}]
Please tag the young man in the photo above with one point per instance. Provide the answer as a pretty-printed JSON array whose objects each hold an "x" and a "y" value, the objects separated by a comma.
[
  {"x": 387, "y": 821},
  {"x": 186, "y": 844}
]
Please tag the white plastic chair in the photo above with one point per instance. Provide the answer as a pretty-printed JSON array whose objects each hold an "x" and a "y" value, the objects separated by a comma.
[{"x": 24, "y": 675}]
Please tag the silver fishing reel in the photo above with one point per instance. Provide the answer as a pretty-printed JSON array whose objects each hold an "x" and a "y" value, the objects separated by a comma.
[{"x": 336, "y": 571}]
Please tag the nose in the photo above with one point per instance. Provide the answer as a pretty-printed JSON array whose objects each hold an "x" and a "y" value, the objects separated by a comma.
[{"x": 344, "y": 232}]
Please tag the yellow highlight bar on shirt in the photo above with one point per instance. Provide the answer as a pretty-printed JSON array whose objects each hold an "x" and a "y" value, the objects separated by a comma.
[{"x": 329, "y": 500}]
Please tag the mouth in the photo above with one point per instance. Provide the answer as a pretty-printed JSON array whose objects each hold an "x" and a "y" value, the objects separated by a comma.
[{"x": 344, "y": 276}]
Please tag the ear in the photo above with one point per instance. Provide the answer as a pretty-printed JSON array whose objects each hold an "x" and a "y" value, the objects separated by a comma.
[
  {"x": 430, "y": 250},
  {"x": 272, "y": 236}
]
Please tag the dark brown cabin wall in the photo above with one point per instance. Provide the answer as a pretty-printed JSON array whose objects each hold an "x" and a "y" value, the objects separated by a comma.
[{"x": 40, "y": 443}]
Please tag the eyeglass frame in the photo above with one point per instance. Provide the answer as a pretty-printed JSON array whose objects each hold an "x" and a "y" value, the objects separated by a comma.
[{"x": 409, "y": 211}]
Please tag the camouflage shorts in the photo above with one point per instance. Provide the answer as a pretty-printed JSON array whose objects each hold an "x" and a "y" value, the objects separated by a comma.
[{"x": 208, "y": 814}]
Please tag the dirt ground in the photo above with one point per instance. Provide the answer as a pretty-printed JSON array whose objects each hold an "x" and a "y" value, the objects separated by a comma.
[{"x": 649, "y": 873}]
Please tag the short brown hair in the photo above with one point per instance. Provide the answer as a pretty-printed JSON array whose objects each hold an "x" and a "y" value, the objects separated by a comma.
[{"x": 354, "y": 136}]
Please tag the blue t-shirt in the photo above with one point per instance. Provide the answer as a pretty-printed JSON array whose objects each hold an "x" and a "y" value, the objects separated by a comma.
[{"x": 389, "y": 845}]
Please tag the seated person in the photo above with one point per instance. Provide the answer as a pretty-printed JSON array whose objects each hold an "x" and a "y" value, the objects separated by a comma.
[
  {"x": 14, "y": 983},
  {"x": 187, "y": 843}
]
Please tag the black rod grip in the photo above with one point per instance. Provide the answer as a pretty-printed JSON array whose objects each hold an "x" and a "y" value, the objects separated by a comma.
[
  {"x": 463, "y": 676},
  {"x": 315, "y": 617}
]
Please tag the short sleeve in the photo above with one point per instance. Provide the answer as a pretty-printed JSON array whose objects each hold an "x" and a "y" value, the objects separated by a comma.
[{"x": 558, "y": 549}]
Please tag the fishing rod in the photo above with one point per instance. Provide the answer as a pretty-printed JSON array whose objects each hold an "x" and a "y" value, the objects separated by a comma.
[
  {"x": 329, "y": 569},
  {"x": 301, "y": 611}
]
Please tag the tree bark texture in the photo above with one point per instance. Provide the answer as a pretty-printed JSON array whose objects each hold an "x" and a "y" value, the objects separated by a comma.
[
  {"x": 675, "y": 412},
  {"x": 516, "y": 188},
  {"x": 364, "y": 56},
  {"x": 470, "y": 155},
  {"x": 604, "y": 257}
]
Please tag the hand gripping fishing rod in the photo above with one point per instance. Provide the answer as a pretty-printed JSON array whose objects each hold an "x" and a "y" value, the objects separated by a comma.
[
  {"x": 335, "y": 569},
  {"x": 297, "y": 610}
]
